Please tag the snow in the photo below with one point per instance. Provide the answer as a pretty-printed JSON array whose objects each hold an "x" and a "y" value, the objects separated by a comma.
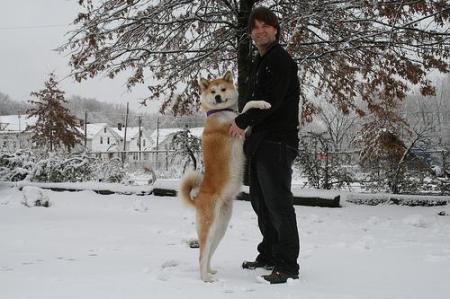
[
  {"x": 93, "y": 186},
  {"x": 88, "y": 245}
]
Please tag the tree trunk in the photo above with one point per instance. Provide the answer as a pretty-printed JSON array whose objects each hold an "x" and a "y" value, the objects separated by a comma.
[
  {"x": 192, "y": 156},
  {"x": 244, "y": 61},
  {"x": 244, "y": 53}
]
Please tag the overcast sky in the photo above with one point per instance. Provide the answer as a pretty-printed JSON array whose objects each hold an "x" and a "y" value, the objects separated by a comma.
[{"x": 29, "y": 31}]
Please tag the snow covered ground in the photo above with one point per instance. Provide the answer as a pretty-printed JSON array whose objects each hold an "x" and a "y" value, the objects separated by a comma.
[{"x": 88, "y": 245}]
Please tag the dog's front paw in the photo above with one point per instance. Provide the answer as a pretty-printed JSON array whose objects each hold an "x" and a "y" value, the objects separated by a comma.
[{"x": 264, "y": 105}]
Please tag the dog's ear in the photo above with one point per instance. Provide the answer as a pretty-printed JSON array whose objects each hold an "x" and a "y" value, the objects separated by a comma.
[
  {"x": 228, "y": 76},
  {"x": 203, "y": 83}
]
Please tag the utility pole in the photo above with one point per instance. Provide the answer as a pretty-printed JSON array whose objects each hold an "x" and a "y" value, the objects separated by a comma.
[
  {"x": 20, "y": 133},
  {"x": 140, "y": 136},
  {"x": 85, "y": 131},
  {"x": 125, "y": 136},
  {"x": 157, "y": 141},
  {"x": 157, "y": 133}
]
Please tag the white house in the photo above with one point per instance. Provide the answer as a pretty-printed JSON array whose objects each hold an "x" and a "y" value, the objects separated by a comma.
[
  {"x": 102, "y": 140},
  {"x": 108, "y": 142},
  {"x": 132, "y": 142},
  {"x": 13, "y": 132},
  {"x": 133, "y": 138}
]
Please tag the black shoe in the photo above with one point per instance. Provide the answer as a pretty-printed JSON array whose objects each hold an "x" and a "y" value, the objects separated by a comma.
[
  {"x": 278, "y": 277},
  {"x": 256, "y": 264}
]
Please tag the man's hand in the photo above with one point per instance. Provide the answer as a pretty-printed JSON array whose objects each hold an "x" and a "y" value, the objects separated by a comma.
[{"x": 235, "y": 131}]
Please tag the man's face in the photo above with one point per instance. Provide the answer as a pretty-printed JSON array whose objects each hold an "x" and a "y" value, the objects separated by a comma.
[{"x": 263, "y": 34}]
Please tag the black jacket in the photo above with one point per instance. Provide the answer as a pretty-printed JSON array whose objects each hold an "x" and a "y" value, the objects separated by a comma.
[{"x": 273, "y": 79}]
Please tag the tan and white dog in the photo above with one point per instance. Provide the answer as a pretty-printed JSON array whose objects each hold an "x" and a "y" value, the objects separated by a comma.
[{"x": 212, "y": 193}]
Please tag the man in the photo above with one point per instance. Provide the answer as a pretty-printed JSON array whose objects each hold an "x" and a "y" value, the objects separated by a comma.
[{"x": 271, "y": 147}]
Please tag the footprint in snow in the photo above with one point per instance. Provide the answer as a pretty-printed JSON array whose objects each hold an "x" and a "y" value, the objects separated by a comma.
[
  {"x": 163, "y": 274},
  {"x": 169, "y": 264},
  {"x": 66, "y": 259}
]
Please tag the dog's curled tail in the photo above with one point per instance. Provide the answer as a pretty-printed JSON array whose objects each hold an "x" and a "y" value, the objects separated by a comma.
[{"x": 189, "y": 186}]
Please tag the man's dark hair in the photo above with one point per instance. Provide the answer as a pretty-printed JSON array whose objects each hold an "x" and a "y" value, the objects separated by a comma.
[{"x": 263, "y": 14}]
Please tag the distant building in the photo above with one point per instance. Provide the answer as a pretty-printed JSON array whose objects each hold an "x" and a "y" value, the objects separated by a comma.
[
  {"x": 136, "y": 142},
  {"x": 101, "y": 140},
  {"x": 14, "y": 134},
  {"x": 107, "y": 142}
]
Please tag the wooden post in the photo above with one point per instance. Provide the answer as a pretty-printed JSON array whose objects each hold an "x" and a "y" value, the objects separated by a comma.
[
  {"x": 157, "y": 142},
  {"x": 85, "y": 131},
  {"x": 125, "y": 136},
  {"x": 140, "y": 136}
]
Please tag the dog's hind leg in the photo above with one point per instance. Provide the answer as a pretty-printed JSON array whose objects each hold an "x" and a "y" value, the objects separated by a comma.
[
  {"x": 205, "y": 231},
  {"x": 222, "y": 217}
]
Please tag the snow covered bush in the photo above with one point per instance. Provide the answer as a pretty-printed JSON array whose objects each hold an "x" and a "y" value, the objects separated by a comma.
[
  {"x": 110, "y": 171},
  {"x": 47, "y": 170},
  {"x": 16, "y": 166},
  {"x": 59, "y": 168},
  {"x": 323, "y": 169},
  {"x": 78, "y": 168}
]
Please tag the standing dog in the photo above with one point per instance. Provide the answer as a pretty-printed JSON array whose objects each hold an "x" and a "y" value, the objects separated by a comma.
[{"x": 212, "y": 193}]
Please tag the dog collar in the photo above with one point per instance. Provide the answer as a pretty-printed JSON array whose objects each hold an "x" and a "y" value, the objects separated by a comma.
[{"x": 208, "y": 113}]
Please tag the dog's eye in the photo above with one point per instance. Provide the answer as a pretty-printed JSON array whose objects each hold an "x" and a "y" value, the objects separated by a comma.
[
  {"x": 213, "y": 91},
  {"x": 223, "y": 89}
]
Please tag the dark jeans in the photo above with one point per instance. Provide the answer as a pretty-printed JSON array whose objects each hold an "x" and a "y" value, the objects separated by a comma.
[{"x": 270, "y": 174}]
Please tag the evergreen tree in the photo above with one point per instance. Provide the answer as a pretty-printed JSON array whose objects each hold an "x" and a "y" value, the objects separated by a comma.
[{"x": 55, "y": 126}]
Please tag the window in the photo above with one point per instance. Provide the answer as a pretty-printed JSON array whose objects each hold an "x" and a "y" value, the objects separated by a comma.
[
  {"x": 104, "y": 130},
  {"x": 101, "y": 140},
  {"x": 143, "y": 142},
  {"x": 108, "y": 140}
]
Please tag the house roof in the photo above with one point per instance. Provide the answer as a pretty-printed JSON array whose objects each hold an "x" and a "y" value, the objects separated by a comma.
[
  {"x": 16, "y": 123},
  {"x": 131, "y": 132},
  {"x": 92, "y": 129}
]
